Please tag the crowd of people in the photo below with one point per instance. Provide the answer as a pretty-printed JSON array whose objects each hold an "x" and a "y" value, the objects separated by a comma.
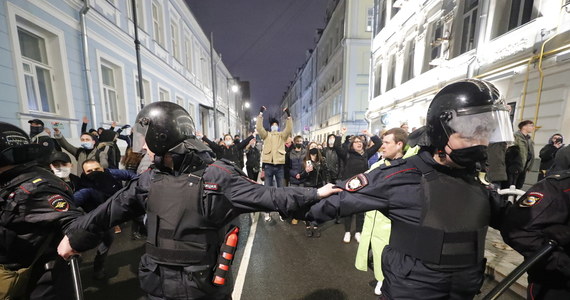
[{"x": 399, "y": 189}]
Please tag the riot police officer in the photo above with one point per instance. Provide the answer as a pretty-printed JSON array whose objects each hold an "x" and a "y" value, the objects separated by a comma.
[
  {"x": 541, "y": 214},
  {"x": 438, "y": 208},
  {"x": 190, "y": 201},
  {"x": 36, "y": 208}
]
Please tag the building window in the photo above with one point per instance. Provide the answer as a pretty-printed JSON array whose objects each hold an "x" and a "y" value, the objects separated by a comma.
[
  {"x": 377, "y": 80},
  {"x": 157, "y": 23},
  {"x": 192, "y": 111},
  {"x": 163, "y": 95},
  {"x": 519, "y": 12},
  {"x": 109, "y": 92},
  {"x": 188, "y": 53},
  {"x": 175, "y": 40},
  {"x": 381, "y": 15},
  {"x": 391, "y": 73},
  {"x": 370, "y": 19},
  {"x": 470, "y": 15},
  {"x": 180, "y": 101},
  {"x": 37, "y": 72},
  {"x": 140, "y": 12},
  {"x": 409, "y": 63}
]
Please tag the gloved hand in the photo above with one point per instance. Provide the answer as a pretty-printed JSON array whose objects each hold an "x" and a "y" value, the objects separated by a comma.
[
  {"x": 286, "y": 110},
  {"x": 262, "y": 109},
  {"x": 559, "y": 233},
  {"x": 125, "y": 126}
]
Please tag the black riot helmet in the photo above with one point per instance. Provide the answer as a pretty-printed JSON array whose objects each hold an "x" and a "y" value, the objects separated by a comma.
[
  {"x": 472, "y": 108},
  {"x": 15, "y": 147},
  {"x": 162, "y": 125}
]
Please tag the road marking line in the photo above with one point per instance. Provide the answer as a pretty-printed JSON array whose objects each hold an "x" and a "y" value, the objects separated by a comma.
[{"x": 240, "y": 278}]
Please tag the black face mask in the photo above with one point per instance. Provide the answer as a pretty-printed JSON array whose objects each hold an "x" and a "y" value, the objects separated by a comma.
[
  {"x": 102, "y": 181},
  {"x": 314, "y": 151},
  {"x": 467, "y": 157},
  {"x": 298, "y": 146},
  {"x": 35, "y": 130}
]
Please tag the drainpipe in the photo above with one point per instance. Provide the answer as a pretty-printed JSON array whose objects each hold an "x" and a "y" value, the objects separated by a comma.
[
  {"x": 539, "y": 92},
  {"x": 82, "y": 17},
  {"x": 138, "y": 53}
]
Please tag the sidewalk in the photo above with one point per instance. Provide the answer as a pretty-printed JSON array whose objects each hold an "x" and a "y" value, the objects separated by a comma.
[{"x": 502, "y": 259}]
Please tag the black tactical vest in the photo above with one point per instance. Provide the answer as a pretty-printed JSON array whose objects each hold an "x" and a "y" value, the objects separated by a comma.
[
  {"x": 185, "y": 225},
  {"x": 453, "y": 224}
]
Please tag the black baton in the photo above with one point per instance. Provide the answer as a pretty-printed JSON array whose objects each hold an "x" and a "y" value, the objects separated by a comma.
[
  {"x": 519, "y": 271},
  {"x": 74, "y": 262}
]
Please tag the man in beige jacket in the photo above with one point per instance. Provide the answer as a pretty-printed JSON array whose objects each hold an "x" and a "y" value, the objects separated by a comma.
[{"x": 273, "y": 153}]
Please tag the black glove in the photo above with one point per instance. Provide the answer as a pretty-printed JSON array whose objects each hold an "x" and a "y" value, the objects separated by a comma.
[
  {"x": 125, "y": 126},
  {"x": 559, "y": 233},
  {"x": 262, "y": 109},
  {"x": 286, "y": 110}
]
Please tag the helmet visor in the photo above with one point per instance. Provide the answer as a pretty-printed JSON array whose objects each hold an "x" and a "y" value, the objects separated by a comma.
[
  {"x": 139, "y": 135},
  {"x": 484, "y": 127}
]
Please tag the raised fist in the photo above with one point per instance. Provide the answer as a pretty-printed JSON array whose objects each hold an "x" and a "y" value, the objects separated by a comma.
[{"x": 262, "y": 109}]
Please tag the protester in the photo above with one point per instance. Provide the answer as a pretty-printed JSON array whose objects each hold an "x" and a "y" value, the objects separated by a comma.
[
  {"x": 253, "y": 162},
  {"x": 314, "y": 174},
  {"x": 61, "y": 166},
  {"x": 273, "y": 154},
  {"x": 229, "y": 150},
  {"x": 548, "y": 152},
  {"x": 331, "y": 158},
  {"x": 81, "y": 154},
  {"x": 520, "y": 156},
  {"x": 355, "y": 161}
]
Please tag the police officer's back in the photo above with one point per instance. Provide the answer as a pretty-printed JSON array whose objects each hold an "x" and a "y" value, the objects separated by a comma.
[
  {"x": 541, "y": 214},
  {"x": 35, "y": 210}
]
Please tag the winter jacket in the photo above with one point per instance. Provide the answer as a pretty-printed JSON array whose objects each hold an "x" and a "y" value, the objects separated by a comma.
[
  {"x": 253, "y": 158},
  {"x": 273, "y": 142},
  {"x": 547, "y": 154},
  {"x": 496, "y": 167},
  {"x": 316, "y": 178},
  {"x": 526, "y": 147},
  {"x": 333, "y": 163},
  {"x": 296, "y": 159},
  {"x": 355, "y": 163},
  {"x": 231, "y": 153},
  {"x": 81, "y": 154}
]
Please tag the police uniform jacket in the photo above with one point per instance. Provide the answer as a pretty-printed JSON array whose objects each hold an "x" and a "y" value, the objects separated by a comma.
[
  {"x": 37, "y": 203},
  {"x": 545, "y": 204}
]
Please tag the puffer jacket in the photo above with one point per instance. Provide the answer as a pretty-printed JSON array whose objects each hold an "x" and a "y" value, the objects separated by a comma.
[{"x": 296, "y": 165}]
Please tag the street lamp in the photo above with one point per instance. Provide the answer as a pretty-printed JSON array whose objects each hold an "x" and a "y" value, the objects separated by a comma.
[{"x": 246, "y": 104}]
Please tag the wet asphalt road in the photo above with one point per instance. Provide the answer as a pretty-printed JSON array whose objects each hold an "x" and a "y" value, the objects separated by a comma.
[{"x": 284, "y": 264}]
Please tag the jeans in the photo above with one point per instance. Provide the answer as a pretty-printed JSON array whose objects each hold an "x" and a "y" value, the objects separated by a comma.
[{"x": 277, "y": 171}]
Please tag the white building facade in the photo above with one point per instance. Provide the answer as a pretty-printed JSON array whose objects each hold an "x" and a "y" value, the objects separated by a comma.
[
  {"x": 330, "y": 90},
  {"x": 61, "y": 60},
  {"x": 523, "y": 47}
]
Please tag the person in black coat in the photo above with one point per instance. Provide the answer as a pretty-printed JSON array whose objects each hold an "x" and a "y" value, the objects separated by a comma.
[
  {"x": 548, "y": 152},
  {"x": 314, "y": 174},
  {"x": 355, "y": 161},
  {"x": 229, "y": 150},
  {"x": 253, "y": 163}
]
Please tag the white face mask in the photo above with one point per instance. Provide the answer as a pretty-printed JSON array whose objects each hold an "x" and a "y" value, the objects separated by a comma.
[
  {"x": 274, "y": 128},
  {"x": 228, "y": 143},
  {"x": 62, "y": 172}
]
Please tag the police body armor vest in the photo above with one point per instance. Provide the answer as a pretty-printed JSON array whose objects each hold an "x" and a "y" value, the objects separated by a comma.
[
  {"x": 453, "y": 224},
  {"x": 179, "y": 233}
]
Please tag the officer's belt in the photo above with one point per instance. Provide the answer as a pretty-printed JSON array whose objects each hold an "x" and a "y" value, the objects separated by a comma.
[
  {"x": 438, "y": 247},
  {"x": 179, "y": 252}
]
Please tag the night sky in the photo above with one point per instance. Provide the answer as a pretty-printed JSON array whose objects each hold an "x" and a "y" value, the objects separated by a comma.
[{"x": 262, "y": 41}]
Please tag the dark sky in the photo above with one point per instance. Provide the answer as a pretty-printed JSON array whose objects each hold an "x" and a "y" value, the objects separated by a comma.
[{"x": 262, "y": 41}]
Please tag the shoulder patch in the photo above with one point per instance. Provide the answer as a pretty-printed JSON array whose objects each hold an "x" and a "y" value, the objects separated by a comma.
[
  {"x": 356, "y": 183},
  {"x": 58, "y": 203},
  {"x": 211, "y": 186},
  {"x": 532, "y": 199}
]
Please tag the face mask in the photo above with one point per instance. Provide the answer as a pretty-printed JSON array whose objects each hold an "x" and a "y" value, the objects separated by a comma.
[
  {"x": 331, "y": 142},
  {"x": 87, "y": 145},
  {"x": 467, "y": 157},
  {"x": 35, "y": 130},
  {"x": 274, "y": 128},
  {"x": 314, "y": 151},
  {"x": 228, "y": 143},
  {"x": 298, "y": 146},
  {"x": 62, "y": 172}
]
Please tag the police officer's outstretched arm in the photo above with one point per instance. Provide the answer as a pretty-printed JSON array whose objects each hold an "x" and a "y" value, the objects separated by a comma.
[
  {"x": 126, "y": 204},
  {"x": 538, "y": 216}
]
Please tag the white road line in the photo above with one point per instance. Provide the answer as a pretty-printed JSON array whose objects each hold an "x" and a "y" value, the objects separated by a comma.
[{"x": 240, "y": 278}]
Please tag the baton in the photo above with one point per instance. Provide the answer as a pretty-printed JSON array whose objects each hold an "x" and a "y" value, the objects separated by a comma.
[
  {"x": 74, "y": 262},
  {"x": 519, "y": 271}
]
